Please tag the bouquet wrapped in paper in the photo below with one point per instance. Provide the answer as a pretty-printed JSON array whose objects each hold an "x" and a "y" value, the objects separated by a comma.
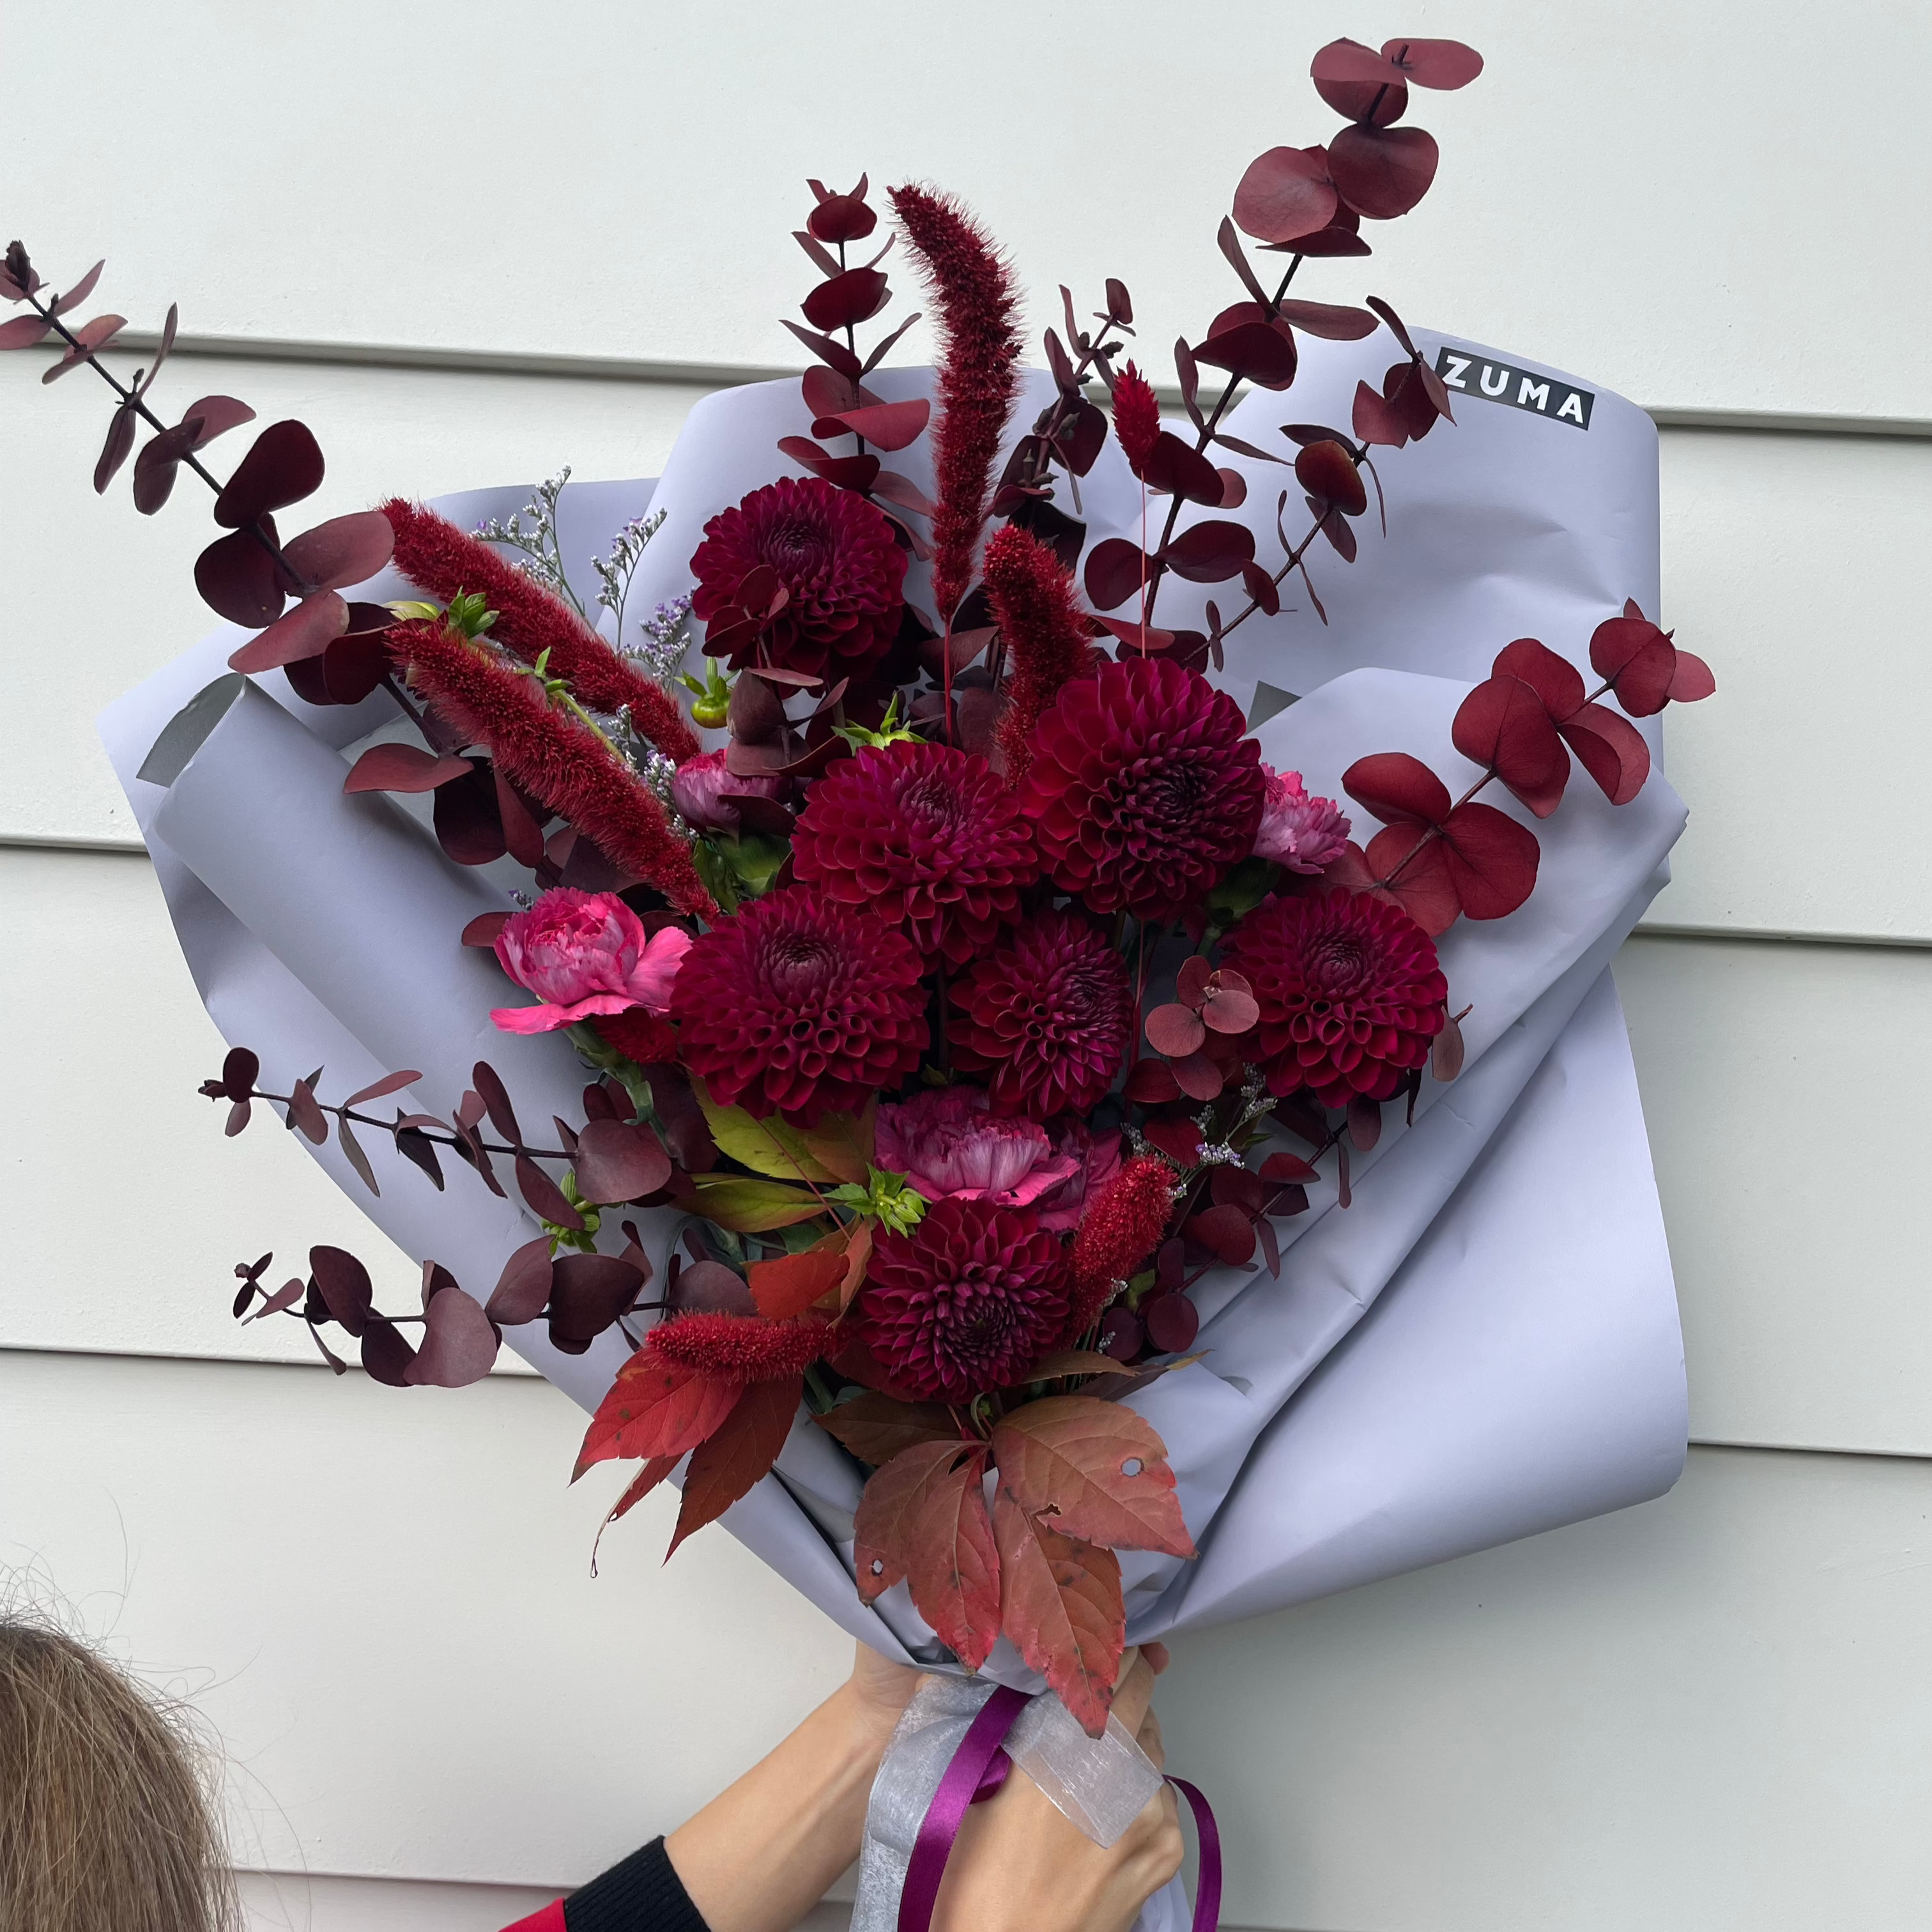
[{"x": 1011, "y": 992}]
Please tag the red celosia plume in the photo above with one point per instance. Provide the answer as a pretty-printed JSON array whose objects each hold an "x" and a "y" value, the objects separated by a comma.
[
  {"x": 437, "y": 556},
  {"x": 738, "y": 1348},
  {"x": 1044, "y": 632},
  {"x": 556, "y": 759},
  {"x": 979, "y": 374},
  {"x": 1122, "y": 1228},
  {"x": 1136, "y": 416}
]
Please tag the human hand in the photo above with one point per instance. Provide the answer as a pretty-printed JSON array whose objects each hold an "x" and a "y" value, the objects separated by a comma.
[
  {"x": 877, "y": 1692},
  {"x": 1019, "y": 1865}
]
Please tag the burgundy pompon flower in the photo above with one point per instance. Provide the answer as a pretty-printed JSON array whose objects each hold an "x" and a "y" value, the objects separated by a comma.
[
  {"x": 926, "y": 836},
  {"x": 1144, "y": 789},
  {"x": 1048, "y": 1015},
  {"x": 835, "y": 555},
  {"x": 799, "y": 1006},
  {"x": 1350, "y": 991},
  {"x": 967, "y": 1301}
]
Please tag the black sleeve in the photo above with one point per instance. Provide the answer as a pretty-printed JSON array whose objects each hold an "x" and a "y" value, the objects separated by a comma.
[{"x": 643, "y": 1894}]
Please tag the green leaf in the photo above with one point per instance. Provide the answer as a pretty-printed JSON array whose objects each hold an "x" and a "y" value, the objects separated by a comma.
[
  {"x": 766, "y": 1147},
  {"x": 751, "y": 1207}
]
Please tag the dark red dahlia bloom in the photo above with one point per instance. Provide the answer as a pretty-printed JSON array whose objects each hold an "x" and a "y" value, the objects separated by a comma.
[
  {"x": 1349, "y": 989},
  {"x": 1144, "y": 788},
  {"x": 927, "y": 837},
  {"x": 968, "y": 1301},
  {"x": 799, "y": 1006},
  {"x": 835, "y": 555},
  {"x": 1047, "y": 1015}
]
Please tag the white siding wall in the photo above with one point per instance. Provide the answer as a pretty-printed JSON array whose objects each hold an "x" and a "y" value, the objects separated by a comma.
[{"x": 1709, "y": 1713}]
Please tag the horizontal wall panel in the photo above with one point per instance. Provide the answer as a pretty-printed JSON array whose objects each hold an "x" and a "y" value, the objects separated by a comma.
[
  {"x": 1782, "y": 1088},
  {"x": 382, "y": 1600},
  {"x": 1707, "y": 1712},
  {"x": 1705, "y": 1715},
  {"x": 99, "y": 597},
  {"x": 1788, "y": 563},
  {"x": 645, "y": 171}
]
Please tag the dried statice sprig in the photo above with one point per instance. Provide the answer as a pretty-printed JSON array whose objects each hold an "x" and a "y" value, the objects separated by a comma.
[
  {"x": 539, "y": 555},
  {"x": 664, "y": 636},
  {"x": 615, "y": 571}
]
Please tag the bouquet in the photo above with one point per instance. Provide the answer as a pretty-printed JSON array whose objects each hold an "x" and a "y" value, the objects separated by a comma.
[{"x": 997, "y": 1040}]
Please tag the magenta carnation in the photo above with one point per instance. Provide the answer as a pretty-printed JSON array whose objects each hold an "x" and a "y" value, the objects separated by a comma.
[
  {"x": 705, "y": 795},
  {"x": 968, "y": 1301},
  {"x": 1048, "y": 1015},
  {"x": 1350, "y": 992},
  {"x": 833, "y": 554},
  {"x": 798, "y": 1006},
  {"x": 947, "y": 1142},
  {"x": 1144, "y": 788},
  {"x": 926, "y": 837},
  {"x": 1298, "y": 830},
  {"x": 583, "y": 953}
]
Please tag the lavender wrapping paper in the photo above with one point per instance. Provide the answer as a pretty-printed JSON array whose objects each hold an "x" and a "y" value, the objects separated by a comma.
[{"x": 1484, "y": 1346}]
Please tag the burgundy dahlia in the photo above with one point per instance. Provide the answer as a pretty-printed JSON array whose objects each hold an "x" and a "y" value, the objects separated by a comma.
[
  {"x": 968, "y": 1301},
  {"x": 926, "y": 837},
  {"x": 1349, "y": 989},
  {"x": 835, "y": 555},
  {"x": 1144, "y": 788},
  {"x": 799, "y": 1006},
  {"x": 1048, "y": 1015}
]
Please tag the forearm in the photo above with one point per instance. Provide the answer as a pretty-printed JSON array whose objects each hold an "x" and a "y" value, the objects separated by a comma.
[{"x": 758, "y": 1857}]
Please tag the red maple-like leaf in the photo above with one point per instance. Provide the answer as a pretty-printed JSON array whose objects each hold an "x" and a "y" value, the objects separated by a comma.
[
  {"x": 1061, "y": 1603},
  {"x": 1099, "y": 1471},
  {"x": 737, "y": 1456}
]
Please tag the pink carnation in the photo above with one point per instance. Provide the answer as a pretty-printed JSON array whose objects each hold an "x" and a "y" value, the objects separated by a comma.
[
  {"x": 946, "y": 1141},
  {"x": 1097, "y": 1158},
  {"x": 1304, "y": 833},
  {"x": 583, "y": 953},
  {"x": 703, "y": 792}
]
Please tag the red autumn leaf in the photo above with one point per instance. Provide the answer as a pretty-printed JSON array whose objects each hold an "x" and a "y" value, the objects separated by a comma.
[
  {"x": 1417, "y": 870},
  {"x": 875, "y": 1428},
  {"x": 655, "y": 1409},
  {"x": 1692, "y": 680},
  {"x": 889, "y": 1508},
  {"x": 887, "y": 426},
  {"x": 1115, "y": 571},
  {"x": 306, "y": 631},
  {"x": 1610, "y": 749},
  {"x": 1175, "y": 1030},
  {"x": 1326, "y": 472},
  {"x": 1399, "y": 789},
  {"x": 1504, "y": 725},
  {"x": 616, "y": 1161},
  {"x": 404, "y": 768},
  {"x": 1172, "y": 466},
  {"x": 1554, "y": 680},
  {"x": 952, "y": 1565},
  {"x": 1491, "y": 859},
  {"x": 459, "y": 1346},
  {"x": 1638, "y": 659},
  {"x": 1227, "y": 1233},
  {"x": 1100, "y": 1469},
  {"x": 1382, "y": 172},
  {"x": 1284, "y": 194},
  {"x": 1061, "y": 1603},
  {"x": 1211, "y": 553},
  {"x": 730, "y": 1462},
  {"x": 788, "y": 1286}
]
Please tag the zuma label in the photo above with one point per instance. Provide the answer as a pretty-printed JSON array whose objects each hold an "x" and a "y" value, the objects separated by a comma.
[{"x": 1541, "y": 395}]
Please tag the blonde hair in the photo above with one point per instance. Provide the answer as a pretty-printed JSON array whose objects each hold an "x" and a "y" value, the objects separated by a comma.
[{"x": 108, "y": 1819}]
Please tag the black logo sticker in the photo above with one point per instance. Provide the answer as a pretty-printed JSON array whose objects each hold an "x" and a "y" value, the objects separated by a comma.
[{"x": 1541, "y": 395}]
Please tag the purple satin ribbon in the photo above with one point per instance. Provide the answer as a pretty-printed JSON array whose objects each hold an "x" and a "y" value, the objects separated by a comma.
[{"x": 977, "y": 1771}]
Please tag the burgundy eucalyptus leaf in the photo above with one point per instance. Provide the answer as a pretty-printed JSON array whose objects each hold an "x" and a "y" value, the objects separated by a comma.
[
  {"x": 286, "y": 1296},
  {"x": 283, "y": 465},
  {"x": 81, "y": 290},
  {"x": 240, "y": 1070},
  {"x": 306, "y": 631},
  {"x": 459, "y": 1346},
  {"x": 1210, "y": 552},
  {"x": 390, "y": 1083},
  {"x": 345, "y": 550},
  {"x": 1199, "y": 1077},
  {"x": 489, "y": 1083},
  {"x": 23, "y": 331},
  {"x": 1446, "y": 65},
  {"x": 1285, "y": 194},
  {"x": 162, "y": 352},
  {"x": 1115, "y": 570},
  {"x": 856, "y": 296},
  {"x": 522, "y": 1289},
  {"x": 1264, "y": 355},
  {"x": 1172, "y": 1322},
  {"x": 1610, "y": 749},
  {"x": 1175, "y": 1031},
  {"x": 1327, "y": 472},
  {"x": 305, "y": 1116},
  {"x": 841, "y": 218},
  {"x": 344, "y": 1286},
  {"x": 1382, "y": 173},
  {"x": 238, "y": 579},
  {"x": 239, "y": 1115},
  {"x": 1399, "y": 789},
  {"x": 159, "y": 463},
  {"x": 216, "y": 414},
  {"x": 542, "y": 1195},
  {"x": 1176, "y": 469},
  {"x": 1491, "y": 858},
  {"x": 468, "y": 824},
  {"x": 833, "y": 353},
  {"x": 89, "y": 336},
  {"x": 1360, "y": 83},
  {"x": 1226, "y": 1233},
  {"x": 402, "y": 768},
  {"x": 1639, "y": 660},
  {"x": 615, "y": 1161},
  {"x": 348, "y": 669},
  {"x": 417, "y": 1148},
  {"x": 828, "y": 393},
  {"x": 588, "y": 1294},
  {"x": 1445, "y": 1056},
  {"x": 121, "y": 428},
  {"x": 847, "y": 472},
  {"x": 1332, "y": 322},
  {"x": 351, "y": 1150},
  {"x": 386, "y": 1356},
  {"x": 1365, "y": 1122},
  {"x": 888, "y": 426},
  {"x": 522, "y": 832}
]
